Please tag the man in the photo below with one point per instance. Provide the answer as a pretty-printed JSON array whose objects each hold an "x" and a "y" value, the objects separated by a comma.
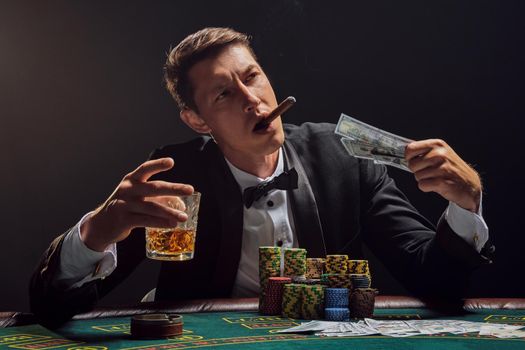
[{"x": 340, "y": 203}]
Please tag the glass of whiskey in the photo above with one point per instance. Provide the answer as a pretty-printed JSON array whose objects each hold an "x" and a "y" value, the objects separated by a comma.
[{"x": 175, "y": 243}]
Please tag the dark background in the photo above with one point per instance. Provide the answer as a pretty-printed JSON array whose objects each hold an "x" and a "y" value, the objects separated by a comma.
[{"x": 82, "y": 103}]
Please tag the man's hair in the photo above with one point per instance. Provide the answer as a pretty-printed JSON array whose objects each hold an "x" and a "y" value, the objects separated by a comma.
[{"x": 196, "y": 47}]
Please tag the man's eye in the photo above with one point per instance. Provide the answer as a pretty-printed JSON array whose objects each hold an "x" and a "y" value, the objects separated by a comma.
[
  {"x": 251, "y": 76},
  {"x": 222, "y": 95}
]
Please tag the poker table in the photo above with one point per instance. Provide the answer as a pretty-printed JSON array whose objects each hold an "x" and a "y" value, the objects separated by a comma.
[{"x": 235, "y": 324}]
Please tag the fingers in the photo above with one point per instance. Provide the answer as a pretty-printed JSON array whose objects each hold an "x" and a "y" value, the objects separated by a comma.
[
  {"x": 424, "y": 154},
  {"x": 437, "y": 168},
  {"x": 427, "y": 160},
  {"x": 430, "y": 159},
  {"x": 138, "y": 203},
  {"x": 135, "y": 184},
  {"x": 155, "y": 188},
  {"x": 419, "y": 148},
  {"x": 148, "y": 213},
  {"x": 156, "y": 209},
  {"x": 429, "y": 172},
  {"x": 150, "y": 168}
]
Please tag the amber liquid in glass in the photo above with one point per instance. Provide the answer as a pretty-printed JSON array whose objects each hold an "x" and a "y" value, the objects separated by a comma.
[{"x": 170, "y": 244}]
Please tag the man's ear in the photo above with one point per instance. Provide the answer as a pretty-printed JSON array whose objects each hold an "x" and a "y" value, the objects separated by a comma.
[{"x": 192, "y": 119}]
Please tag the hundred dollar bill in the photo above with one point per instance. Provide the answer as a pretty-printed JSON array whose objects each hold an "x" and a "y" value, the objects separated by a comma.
[
  {"x": 380, "y": 155},
  {"x": 357, "y": 130},
  {"x": 312, "y": 326}
]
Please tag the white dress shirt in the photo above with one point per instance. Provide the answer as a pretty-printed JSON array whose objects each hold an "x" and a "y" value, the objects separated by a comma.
[{"x": 268, "y": 222}]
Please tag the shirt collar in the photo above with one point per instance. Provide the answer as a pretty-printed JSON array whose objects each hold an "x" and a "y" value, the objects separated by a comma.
[{"x": 245, "y": 179}]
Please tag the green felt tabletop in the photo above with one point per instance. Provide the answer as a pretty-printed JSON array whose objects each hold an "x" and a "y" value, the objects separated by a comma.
[{"x": 249, "y": 330}]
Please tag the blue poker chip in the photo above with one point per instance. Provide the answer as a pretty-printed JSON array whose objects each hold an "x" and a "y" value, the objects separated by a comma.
[
  {"x": 336, "y": 314},
  {"x": 336, "y": 297}
]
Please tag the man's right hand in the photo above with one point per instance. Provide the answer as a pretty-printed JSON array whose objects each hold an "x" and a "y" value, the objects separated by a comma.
[{"x": 130, "y": 206}]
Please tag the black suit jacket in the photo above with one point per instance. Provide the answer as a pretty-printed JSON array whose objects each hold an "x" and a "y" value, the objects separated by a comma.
[{"x": 341, "y": 203}]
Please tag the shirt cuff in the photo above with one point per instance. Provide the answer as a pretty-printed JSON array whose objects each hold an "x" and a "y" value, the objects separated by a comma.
[
  {"x": 80, "y": 264},
  {"x": 468, "y": 225}
]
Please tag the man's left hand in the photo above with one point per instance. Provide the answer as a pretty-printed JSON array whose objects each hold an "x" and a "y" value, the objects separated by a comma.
[{"x": 438, "y": 168}]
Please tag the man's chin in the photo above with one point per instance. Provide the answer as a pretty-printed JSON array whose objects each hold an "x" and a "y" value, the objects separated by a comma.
[{"x": 271, "y": 144}]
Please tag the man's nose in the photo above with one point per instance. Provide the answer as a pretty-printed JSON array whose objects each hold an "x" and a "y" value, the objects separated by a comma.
[{"x": 251, "y": 101}]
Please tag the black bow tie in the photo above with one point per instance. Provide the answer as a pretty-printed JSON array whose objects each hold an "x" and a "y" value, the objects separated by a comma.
[{"x": 286, "y": 181}]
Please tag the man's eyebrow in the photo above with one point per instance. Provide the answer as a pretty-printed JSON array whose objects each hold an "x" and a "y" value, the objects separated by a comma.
[
  {"x": 217, "y": 86},
  {"x": 251, "y": 67},
  {"x": 222, "y": 83}
]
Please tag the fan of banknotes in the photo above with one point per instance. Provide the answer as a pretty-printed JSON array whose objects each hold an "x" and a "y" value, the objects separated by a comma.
[
  {"x": 407, "y": 328},
  {"x": 366, "y": 141}
]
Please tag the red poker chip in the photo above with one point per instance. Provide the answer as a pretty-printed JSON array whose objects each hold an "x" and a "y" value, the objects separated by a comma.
[{"x": 273, "y": 295}]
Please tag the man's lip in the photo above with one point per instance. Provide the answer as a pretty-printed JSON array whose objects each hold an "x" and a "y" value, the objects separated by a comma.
[
  {"x": 275, "y": 113},
  {"x": 263, "y": 129},
  {"x": 260, "y": 120}
]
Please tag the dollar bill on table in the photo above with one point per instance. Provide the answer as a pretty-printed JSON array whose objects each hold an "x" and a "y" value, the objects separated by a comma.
[
  {"x": 312, "y": 326},
  {"x": 332, "y": 329},
  {"x": 393, "y": 328},
  {"x": 348, "y": 329},
  {"x": 408, "y": 328},
  {"x": 502, "y": 330},
  {"x": 362, "y": 140},
  {"x": 430, "y": 327}
]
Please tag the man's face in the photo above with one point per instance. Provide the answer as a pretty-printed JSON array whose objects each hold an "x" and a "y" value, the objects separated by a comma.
[{"x": 232, "y": 94}]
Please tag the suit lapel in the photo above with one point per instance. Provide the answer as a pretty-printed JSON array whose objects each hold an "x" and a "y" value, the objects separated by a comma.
[
  {"x": 229, "y": 204},
  {"x": 304, "y": 208}
]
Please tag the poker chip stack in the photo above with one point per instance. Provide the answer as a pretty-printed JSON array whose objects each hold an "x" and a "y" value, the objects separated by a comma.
[
  {"x": 294, "y": 262},
  {"x": 336, "y": 264},
  {"x": 312, "y": 302},
  {"x": 336, "y": 297},
  {"x": 292, "y": 297},
  {"x": 314, "y": 267},
  {"x": 358, "y": 266},
  {"x": 360, "y": 280},
  {"x": 335, "y": 288},
  {"x": 362, "y": 302},
  {"x": 336, "y": 303},
  {"x": 269, "y": 266},
  {"x": 273, "y": 295},
  {"x": 336, "y": 280},
  {"x": 362, "y": 298}
]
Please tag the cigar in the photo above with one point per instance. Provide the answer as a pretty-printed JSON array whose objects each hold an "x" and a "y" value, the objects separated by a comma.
[{"x": 279, "y": 110}]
